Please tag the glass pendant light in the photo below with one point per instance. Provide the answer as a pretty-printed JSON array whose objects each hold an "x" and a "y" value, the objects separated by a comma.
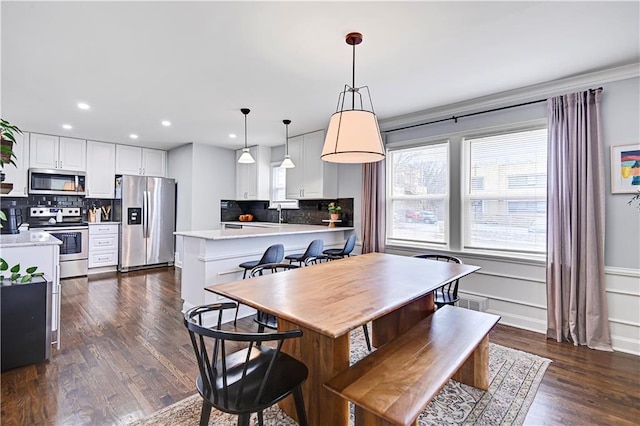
[
  {"x": 246, "y": 157},
  {"x": 287, "y": 163},
  {"x": 353, "y": 135}
]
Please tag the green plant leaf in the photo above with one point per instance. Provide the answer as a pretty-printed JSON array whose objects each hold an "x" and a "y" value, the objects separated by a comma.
[
  {"x": 3, "y": 263},
  {"x": 31, "y": 269},
  {"x": 15, "y": 277},
  {"x": 16, "y": 268},
  {"x": 26, "y": 279}
]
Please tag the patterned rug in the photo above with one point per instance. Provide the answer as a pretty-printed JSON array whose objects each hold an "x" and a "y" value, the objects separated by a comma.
[{"x": 514, "y": 379}]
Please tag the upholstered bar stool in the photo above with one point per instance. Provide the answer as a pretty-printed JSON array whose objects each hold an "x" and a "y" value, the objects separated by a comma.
[
  {"x": 336, "y": 253},
  {"x": 273, "y": 254},
  {"x": 311, "y": 254}
]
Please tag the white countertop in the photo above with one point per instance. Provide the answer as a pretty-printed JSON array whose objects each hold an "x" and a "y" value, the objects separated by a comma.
[
  {"x": 104, "y": 222},
  {"x": 28, "y": 238},
  {"x": 251, "y": 232}
]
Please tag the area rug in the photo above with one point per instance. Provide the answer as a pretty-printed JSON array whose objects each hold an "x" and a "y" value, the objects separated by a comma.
[{"x": 514, "y": 379}]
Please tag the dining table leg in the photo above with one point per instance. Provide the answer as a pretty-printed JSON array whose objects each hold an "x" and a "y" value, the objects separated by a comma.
[
  {"x": 325, "y": 357},
  {"x": 401, "y": 320}
]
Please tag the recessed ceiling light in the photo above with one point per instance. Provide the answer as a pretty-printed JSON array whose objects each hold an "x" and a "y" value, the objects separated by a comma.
[
  {"x": 166, "y": 123},
  {"x": 232, "y": 135},
  {"x": 67, "y": 126},
  {"x": 133, "y": 136},
  {"x": 82, "y": 105}
]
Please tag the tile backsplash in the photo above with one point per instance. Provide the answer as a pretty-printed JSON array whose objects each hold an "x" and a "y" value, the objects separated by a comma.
[
  {"x": 54, "y": 201},
  {"x": 310, "y": 212}
]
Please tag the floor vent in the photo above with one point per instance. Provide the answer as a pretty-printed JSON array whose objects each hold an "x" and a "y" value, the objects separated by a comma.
[{"x": 474, "y": 303}]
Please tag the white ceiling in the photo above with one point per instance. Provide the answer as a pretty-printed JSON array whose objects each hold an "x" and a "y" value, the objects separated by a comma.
[{"x": 196, "y": 64}]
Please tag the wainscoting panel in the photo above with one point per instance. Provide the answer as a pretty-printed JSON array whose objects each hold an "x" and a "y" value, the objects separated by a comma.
[{"x": 517, "y": 292}]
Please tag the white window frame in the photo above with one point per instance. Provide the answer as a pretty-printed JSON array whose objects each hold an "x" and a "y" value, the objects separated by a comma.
[
  {"x": 403, "y": 242},
  {"x": 284, "y": 204},
  {"x": 465, "y": 171}
]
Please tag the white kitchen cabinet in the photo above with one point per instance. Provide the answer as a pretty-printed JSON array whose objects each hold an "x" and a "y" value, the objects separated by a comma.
[
  {"x": 53, "y": 152},
  {"x": 18, "y": 175},
  {"x": 103, "y": 246},
  {"x": 312, "y": 177},
  {"x": 133, "y": 160},
  {"x": 253, "y": 180},
  {"x": 101, "y": 169}
]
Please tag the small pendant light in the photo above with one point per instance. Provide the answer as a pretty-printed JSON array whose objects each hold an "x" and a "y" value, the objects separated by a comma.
[
  {"x": 287, "y": 163},
  {"x": 246, "y": 157}
]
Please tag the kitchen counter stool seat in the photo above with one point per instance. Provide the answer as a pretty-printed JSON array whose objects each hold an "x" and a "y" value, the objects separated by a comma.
[
  {"x": 311, "y": 254},
  {"x": 273, "y": 254}
]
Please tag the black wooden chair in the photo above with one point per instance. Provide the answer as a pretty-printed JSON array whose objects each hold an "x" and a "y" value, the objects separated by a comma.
[
  {"x": 336, "y": 253},
  {"x": 311, "y": 254},
  {"x": 262, "y": 318},
  {"x": 448, "y": 293},
  {"x": 249, "y": 380},
  {"x": 272, "y": 254}
]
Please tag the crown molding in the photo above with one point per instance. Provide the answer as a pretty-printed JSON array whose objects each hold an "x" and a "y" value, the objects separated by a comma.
[{"x": 524, "y": 94}]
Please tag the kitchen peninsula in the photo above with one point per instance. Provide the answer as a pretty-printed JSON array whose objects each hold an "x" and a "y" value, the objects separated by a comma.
[{"x": 212, "y": 257}]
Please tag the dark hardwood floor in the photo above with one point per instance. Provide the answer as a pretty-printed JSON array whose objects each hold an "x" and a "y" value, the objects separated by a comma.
[{"x": 125, "y": 354}]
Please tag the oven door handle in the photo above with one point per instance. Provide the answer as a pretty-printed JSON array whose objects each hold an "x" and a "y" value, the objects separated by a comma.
[{"x": 145, "y": 214}]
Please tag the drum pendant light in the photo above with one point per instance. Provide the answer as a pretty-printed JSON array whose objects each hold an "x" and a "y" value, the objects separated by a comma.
[
  {"x": 287, "y": 163},
  {"x": 246, "y": 157},
  {"x": 353, "y": 135}
]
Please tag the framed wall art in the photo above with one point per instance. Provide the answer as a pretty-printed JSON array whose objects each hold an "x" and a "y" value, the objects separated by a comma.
[{"x": 625, "y": 169}]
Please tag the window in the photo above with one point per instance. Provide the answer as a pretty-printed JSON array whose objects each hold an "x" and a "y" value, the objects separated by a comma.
[
  {"x": 279, "y": 188},
  {"x": 508, "y": 211},
  {"x": 418, "y": 194}
]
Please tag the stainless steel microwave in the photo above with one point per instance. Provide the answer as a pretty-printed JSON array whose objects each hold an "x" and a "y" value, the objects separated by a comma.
[{"x": 56, "y": 182}]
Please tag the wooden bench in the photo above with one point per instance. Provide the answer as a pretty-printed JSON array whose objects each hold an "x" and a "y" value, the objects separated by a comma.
[{"x": 396, "y": 382}]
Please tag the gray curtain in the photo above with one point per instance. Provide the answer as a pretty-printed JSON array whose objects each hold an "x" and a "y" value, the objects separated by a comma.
[
  {"x": 373, "y": 207},
  {"x": 576, "y": 299}
]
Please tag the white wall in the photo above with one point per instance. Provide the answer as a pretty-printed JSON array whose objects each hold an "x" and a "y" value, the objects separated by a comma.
[
  {"x": 516, "y": 289},
  {"x": 205, "y": 175}
]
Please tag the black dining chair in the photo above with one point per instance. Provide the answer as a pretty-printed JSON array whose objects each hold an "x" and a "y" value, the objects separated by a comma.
[
  {"x": 262, "y": 318},
  {"x": 311, "y": 254},
  {"x": 246, "y": 381},
  {"x": 448, "y": 293},
  {"x": 273, "y": 254},
  {"x": 336, "y": 253}
]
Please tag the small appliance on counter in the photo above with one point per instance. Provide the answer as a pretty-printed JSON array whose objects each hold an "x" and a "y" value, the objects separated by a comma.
[{"x": 14, "y": 219}]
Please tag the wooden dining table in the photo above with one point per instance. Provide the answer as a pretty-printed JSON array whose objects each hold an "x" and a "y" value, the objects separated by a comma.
[{"x": 328, "y": 300}]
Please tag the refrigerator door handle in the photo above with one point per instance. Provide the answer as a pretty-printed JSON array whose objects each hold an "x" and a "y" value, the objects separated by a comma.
[{"x": 145, "y": 213}]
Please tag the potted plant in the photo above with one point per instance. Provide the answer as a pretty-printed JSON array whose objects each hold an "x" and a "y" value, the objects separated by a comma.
[
  {"x": 16, "y": 274},
  {"x": 334, "y": 210},
  {"x": 7, "y": 131}
]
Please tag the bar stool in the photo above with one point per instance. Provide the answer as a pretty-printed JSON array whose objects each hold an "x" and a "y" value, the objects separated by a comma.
[
  {"x": 311, "y": 254},
  {"x": 273, "y": 254},
  {"x": 332, "y": 254}
]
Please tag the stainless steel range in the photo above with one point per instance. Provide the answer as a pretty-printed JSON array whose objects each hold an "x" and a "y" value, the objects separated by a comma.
[{"x": 67, "y": 225}]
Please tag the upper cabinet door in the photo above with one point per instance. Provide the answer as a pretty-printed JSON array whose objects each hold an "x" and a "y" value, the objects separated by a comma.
[
  {"x": 128, "y": 160},
  {"x": 311, "y": 178},
  {"x": 101, "y": 169},
  {"x": 252, "y": 180},
  {"x": 43, "y": 151},
  {"x": 295, "y": 176},
  {"x": 154, "y": 162},
  {"x": 53, "y": 152},
  {"x": 72, "y": 154},
  {"x": 18, "y": 175}
]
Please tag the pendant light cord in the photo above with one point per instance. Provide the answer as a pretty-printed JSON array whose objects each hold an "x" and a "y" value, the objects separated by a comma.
[
  {"x": 245, "y": 131},
  {"x": 353, "y": 78}
]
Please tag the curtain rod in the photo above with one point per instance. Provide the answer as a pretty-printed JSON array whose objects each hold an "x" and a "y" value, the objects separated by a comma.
[{"x": 456, "y": 117}]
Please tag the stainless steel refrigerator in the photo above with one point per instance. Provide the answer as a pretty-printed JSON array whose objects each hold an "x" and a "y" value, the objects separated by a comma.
[{"x": 145, "y": 207}]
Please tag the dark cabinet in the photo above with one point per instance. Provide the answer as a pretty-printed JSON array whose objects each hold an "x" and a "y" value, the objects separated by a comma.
[{"x": 26, "y": 323}]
